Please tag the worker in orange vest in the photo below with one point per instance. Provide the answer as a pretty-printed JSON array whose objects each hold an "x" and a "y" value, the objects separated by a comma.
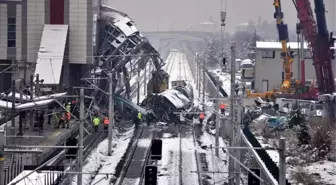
[
  {"x": 106, "y": 123},
  {"x": 61, "y": 121},
  {"x": 222, "y": 108},
  {"x": 67, "y": 119},
  {"x": 201, "y": 117}
]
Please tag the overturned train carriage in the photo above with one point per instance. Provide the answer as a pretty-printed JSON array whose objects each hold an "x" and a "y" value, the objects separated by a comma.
[{"x": 165, "y": 105}]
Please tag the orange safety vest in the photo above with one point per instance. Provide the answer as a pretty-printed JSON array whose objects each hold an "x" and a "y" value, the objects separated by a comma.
[
  {"x": 106, "y": 121},
  {"x": 68, "y": 115},
  {"x": 201, "y": 116}
]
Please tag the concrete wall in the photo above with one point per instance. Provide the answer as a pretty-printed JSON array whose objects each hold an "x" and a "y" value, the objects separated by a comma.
[
  {"x": 271, "y": 69},
  {"x": 18, "y": 32},
  {"x": 3, "y": 31},
  {"x": 80, "y": 35},
  {"x": 35, "y": 22}
]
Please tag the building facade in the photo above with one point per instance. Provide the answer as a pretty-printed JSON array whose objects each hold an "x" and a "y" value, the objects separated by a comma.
[
  {"x": 21, "y": 27},
  {"x": 269, "y": 69}
]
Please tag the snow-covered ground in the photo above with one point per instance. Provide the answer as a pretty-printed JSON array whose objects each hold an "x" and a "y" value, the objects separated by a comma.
[
  {"x": 322, "y": 171},
  {"x": 217, "y": 165},
  {"x": 99, "y": 162}
]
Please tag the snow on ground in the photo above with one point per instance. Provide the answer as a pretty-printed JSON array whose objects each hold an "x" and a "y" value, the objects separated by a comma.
[
  {"x": 144, "y": 143},
  {"x": 215, "y": 164},
  {"x": 99, "y": 161},
  {"x": 274, "y": 154},
  {"x": 169, "y": 171},
  {"x": 189, "y": 165},
  {"x": 325, "y": 171}
]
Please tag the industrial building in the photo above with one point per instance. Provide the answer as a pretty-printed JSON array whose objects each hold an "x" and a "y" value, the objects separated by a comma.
[
  {"x": 41, "y": 36},
  {"x": 269, "y": 68}
]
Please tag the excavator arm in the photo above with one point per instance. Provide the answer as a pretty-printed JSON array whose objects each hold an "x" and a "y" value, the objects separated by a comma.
[{"x": 286, "y": 55}]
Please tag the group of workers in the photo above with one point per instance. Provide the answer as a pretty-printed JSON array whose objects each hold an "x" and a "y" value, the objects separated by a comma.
[
  {"x": 96, "y": 122},
  {"x": 65, "y": 118}
]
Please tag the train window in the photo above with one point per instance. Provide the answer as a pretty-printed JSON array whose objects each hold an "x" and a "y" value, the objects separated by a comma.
[{"x": 268, "y": 54}]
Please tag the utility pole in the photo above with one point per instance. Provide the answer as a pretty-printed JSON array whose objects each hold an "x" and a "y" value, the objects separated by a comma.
[
  {"x": 223, "y": 20},
  {"x": 204, "y": 85},
  {"x": 2, "y": 155},
  {"x": 81, "y": 137},
  {"x": 298, "y": 34},
  {"x": 232, "y": 109},
  {"x": 282, "y": 161},
  {"x": 217, "y": 120},
  {"x": 138, "y": 85},
  {"x": 21, "y": 87},
  {"x": 197, "y": 75},
  {"x": 13, "y": 103},
  {"x": 111, "y": 114},
  {"x": 200, "y": 78},
  {"x": 31, "y": 112},
  {"x": 145, "y": 80},
  {"x": 238, "y": 136},
  {"x": 37, "y": 85}
]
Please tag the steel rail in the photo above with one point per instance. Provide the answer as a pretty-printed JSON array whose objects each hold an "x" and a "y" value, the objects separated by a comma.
[{"x": 129, "y": 156}]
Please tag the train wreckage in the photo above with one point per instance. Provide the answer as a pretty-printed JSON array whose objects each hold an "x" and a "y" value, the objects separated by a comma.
[{"x": 163, "y": 106}]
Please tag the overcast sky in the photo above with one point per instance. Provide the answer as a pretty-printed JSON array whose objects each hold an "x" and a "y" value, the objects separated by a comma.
[{"x": 152, "y": 15}]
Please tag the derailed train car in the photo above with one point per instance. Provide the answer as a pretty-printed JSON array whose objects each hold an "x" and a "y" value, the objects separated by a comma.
[{"x": 164, "y": 105}]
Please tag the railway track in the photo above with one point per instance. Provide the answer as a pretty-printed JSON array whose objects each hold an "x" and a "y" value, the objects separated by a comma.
[
  {"x": 90, "y": 141},
  {"x": 137, "y": 157}
]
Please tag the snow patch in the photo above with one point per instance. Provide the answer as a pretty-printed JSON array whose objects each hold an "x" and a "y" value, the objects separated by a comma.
[{"x": 99, "y": 161}]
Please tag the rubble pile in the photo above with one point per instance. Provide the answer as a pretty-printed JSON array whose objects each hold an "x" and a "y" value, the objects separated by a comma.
[{"x": 165, "y": 105}]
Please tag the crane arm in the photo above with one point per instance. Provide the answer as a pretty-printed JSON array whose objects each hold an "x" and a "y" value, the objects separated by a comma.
[
  {"x": 286, "y": 55},
  {"x": 316, "y": 34}
]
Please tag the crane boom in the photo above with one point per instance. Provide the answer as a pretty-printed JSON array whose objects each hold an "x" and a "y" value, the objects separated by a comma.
[
  {"x": 316, "y": 34},
  {"x": 286, "y": 55}
]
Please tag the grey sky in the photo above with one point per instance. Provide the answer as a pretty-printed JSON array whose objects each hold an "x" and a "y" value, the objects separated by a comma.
[{"x": 151, "y": 15}]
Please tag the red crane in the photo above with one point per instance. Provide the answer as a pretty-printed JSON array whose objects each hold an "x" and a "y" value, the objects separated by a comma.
[{"x": 319, "y": 41}]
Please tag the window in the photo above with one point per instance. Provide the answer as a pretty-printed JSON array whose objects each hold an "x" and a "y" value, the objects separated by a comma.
[
  {"x": 11, "y": 35},
  {"x": 11, "y": 32},
  {"x": 12, "y": 28},
  {"x": 11, "y": 43},
  {"x": 11, "y": 21},
  {"x": 268, "y": 54}
]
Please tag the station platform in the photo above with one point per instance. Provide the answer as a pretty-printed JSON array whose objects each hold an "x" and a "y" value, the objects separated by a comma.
[{"x": 33, "y": 137}]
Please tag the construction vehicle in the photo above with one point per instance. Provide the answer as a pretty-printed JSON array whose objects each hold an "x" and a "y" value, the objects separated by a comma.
[
  {"x": 288, "y": 83},
  {"x": 300, "y": 89},
  {"x": 291, "y": 88},
  {"x": 321, "y": 43},
  {"x": 159, "y": 82},
  {"x": 286, "y": 54}
]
